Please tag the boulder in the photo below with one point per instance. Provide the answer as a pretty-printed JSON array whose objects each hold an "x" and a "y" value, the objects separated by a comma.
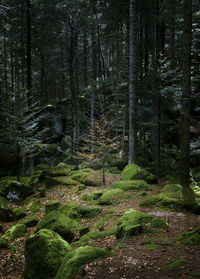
[
  {"x": 110, "y": 196},
  {"x": 127, "y": 185},
  {"x": 74, "y": 260},
  {"x": 31, "y": 221},
  {"x": 59, "y": 223},
  {"x": 53, "y": 205},
  {"x": 44, "y": 252},
  {"x": 15, "y": 232},
  {"x": 134, "y": 172},
  {"x": 19, "y": 213},
  {"x": 133, "y": 222},
  {"x": 191, "y": 238}
]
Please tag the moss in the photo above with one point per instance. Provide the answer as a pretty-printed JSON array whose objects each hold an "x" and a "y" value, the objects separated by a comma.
[
  {"x": 44, "y": 252},
  {"x": 133, "y": 171},
  {"x": 84, "y": 231},
  {"x": 93, "y": 234},
  {"x": 170, "y": 196},
  {"x": 93, "y": 178},
  {"x": 133, "y": 223},
  {"x": 59, "y": 223},
  {"x": 121, "y": 245},
  {"x": 73, "y": 261},
  {"x": 191, "y": 238},
  {"x": 170, "y": 179},
  {"x": 81, "y": 187},
  {"x": 175, "y": 264},
  {"x": 4, "y": 243},
  {"x": 158, "y": 223},
  {"x": 70, "y": 210},
  {"x": 15, "y": 231},
  {"x": 195, "y": 274},
  {"x": 35, "y": 206},
  {"x": 19, "y": 213},
  {"x": 89, "y": 212},
  {"x": 131, "y": 185},
  {"x": 67, "y": 181},
  {"x": 53, "y": 205},
  {"x": 93, "y": 196},
  {"x": 31, "y": 221},
  {"x": 110, "y": 196}
]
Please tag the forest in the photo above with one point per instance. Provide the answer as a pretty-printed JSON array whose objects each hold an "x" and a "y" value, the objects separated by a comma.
[{"x": 99, "y": 139}]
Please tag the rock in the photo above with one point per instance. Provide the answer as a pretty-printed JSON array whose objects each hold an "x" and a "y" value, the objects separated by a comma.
[
  {"x": 110, "y": 196},
  {"x": 91, "y": 178},
  {"x": 191, "y": 238},
  {"x": 133, "y": 222},
  {"x": 134, "y": 172},
  {"x": 4, "y": 243},
  {"x": 19, "y": 213},
  {"x": 35, "y": 206},
  {"x": 127, "y": 185},
  {"x": 53, "y": 205},
  {"x": 44, "y": 252},
  {"x": 15, "y": 231},
  {"x": 59, "y": 223},
  {"x": 73, "y": 261},
  {"x": 31, "y": 221},
  {"x": 175, "y": 264},
  {"x": 158, "y": 223}
]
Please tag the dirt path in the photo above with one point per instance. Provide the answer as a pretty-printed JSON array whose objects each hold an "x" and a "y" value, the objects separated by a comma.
[{"x": 143, "y": 256}]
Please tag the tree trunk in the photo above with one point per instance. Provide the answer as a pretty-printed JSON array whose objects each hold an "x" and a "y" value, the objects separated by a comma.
[
  {"x": 132, "y": 81},
  {"x": 188, "y": 195},
  {"x": 28, "y": 50}
]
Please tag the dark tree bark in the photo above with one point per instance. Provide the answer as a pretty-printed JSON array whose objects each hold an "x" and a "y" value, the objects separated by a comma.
[
  {"x": 132, "y": 81},
  {"x": 186, "y": 106},
  {"x": 28, "y": 50}
]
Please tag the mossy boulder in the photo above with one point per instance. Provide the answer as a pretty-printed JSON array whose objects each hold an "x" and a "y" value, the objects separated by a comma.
[
  {"x": 74, "y": 260},
  {"x": 170, "y": 196},
  {"x": 127, "y": 185},
  {"x": 158, "y": 223},
  {"x": 44, "y": 252},
  {"x": 191, "y": 238},
  {"x": 133, "y": 222},
  {"x": 53, "y": 205},
  {"x": 15, "y": 231},
  {"x": 176, "y": 264},
  {"x": 19, "y": 213},
  {"x": 14, "y": 190},
  {"x": 35, "y": 206},
  {"x": 31, "y": 221},
  {"x": 90, "y": 178},
  {"x": 59, "y": 223},
  {"x": 110, "y": 196},
  {"x": 134, "y": 172},
  {"x": 72, "y": 210},
  {"x": 54, "y": 181},
  {"x": 4, "y": 242}
]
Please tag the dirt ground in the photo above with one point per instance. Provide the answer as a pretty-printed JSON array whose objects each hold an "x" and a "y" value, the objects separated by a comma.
[{"x": 135, "y": 257}]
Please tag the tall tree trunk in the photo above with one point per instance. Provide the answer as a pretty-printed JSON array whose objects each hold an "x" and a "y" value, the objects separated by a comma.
[
  {"x": 132, "y": 81},
  {"x": 28, "y": 50},
  {"x": 188, "y": 196}
]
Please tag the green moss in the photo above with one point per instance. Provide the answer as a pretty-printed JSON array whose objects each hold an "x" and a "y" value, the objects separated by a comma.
[
  {"x": 110, "y": 196},
  {"x": 73, "y": 261},
  {"x": 31, "y": 221},
  {"x": 93, "y": 234},
  {"x": 93, "y": 178},
  {"x": 44, "y": 252},
  {"x": 92, "y": 197},
  {"x": 121, "y": 245},
  {"x": 59, "y": 223},
  {"x": 133, "y": 222},
  {"x": 15, "y": 231},
  {"x": 170, "y": 179},
  {"x": 133, "y": 171},
  {"x": 152, "y": 246},
  {"x": 81, "y": 187},
  {"x": 170, "y": 196},
  {"x": 195, "y": 274},
  {"x": 19, "y": 213},
  {"x": 67, "y": 181},
  {"x": 35, "y": 206},
  {"x": 175, "y": 264},
  {"x": 53, "y": 205},
  {"x": 89, "y": 212},
  {"x": 4, "y": 243},
  {"x": 131, "y": 185},
  {"x": 158, "y": 223},
  {"x": 191, "y": 238}
]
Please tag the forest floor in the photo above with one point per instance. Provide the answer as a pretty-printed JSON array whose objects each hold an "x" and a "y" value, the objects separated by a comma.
[{"x": 142, "y": 256}]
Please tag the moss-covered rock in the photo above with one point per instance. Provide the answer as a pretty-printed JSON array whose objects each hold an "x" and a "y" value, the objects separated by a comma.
[
  {"x": 91, "y": 178},
  {"x": 110, "y": 196},
  {"x": 19, "y": 213},
  {"x": 174, "y": 265},
  {"x": 127, "y": 185},
  {"x": 170, "y": 196},
  {"x": 35, "y": 206},
  {"x": 4, "y": 242},
  {"x": 31, "y": 221},
  {"x": 73, "y": 261},
  {"x": 44, "y": 252},
  {"x": 89, "y": 212},
  {"x": 15, "y": 231},
  {"x": 14, "y": 190},
  {"x": 59, "y": 223},
  {"x": 81, "y": 187},
  {"x": 53, "y": 205},
  {"x": 133, "y": 223},
  {"x": 134, "y": 172},
  {"x": 54, "y": 181},
  {"x": 158, "y": 223},
  {"x": 191, "y": 238}
]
